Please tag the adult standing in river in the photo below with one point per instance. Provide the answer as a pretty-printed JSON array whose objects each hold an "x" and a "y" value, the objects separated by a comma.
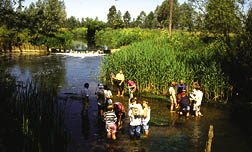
[
  {"x": 181, "y": 87},
  {"x": 100, "y": 96},
  {"x": 119, "y": 79},
  {"x": 85, "y": 93},
  {"x": 172, "y": 96}
]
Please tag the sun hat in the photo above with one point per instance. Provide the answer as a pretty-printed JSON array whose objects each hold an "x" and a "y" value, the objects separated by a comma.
[
  {"x": 100, "y": 86},
  {"x": 110, "y": 101}
]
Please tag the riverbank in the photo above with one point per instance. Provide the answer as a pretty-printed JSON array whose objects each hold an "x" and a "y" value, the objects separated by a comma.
[{"x": 25, "y": 48}]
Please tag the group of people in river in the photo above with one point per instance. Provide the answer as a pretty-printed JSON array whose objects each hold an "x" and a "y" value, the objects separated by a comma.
[
  {"x": 113, "y": 113},
  {"x": 183, "y": 103}
]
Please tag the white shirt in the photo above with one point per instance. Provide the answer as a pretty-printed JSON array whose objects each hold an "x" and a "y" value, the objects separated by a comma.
[
  {"x": 198, "y": 95},
  {"x": 107, "y": 93},
  {"x": 173, "y": 95},
  {"x": 135, "y": 120}
]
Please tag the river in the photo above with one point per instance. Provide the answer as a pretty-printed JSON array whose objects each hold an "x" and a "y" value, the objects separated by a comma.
[{"x": 168, "y": 132}]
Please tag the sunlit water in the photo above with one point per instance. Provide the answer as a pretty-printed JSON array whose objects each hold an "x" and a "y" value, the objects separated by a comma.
[{"x": 168, "y": 132}]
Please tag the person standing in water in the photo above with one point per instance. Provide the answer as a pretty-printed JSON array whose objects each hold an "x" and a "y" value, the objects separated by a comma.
[
  {"x": 146, "y": 118},
  {"x": 120, "y": 113},
  {"x": 172, "y": 96},
  {"x": 119, "y": 79},
  {"x": 184, "y": 105},
  {"x": 197, "y": 96},
  {"x": 181, "y": 87},
  {"x": 135, "y": 114},
  {"x": 85, "y": 93},
  {"x": 110, "y": 120},
  {"x": 100, "y": 96},
  {"x": 132, "y": 88}
]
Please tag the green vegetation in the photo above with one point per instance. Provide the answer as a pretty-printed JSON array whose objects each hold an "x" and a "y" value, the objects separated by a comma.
[
  {"x": 31, "y": 116},
  {"x": 115, "y": 38},
  {"x": 155, "y": 62}
]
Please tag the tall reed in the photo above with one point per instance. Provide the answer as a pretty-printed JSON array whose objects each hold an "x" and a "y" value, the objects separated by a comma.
[
  {"x": 33, "y": 115},
  {"x": 155, "y": 62}
]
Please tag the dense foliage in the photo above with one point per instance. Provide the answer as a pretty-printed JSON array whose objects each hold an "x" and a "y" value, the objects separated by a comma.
[
  {"x": 123, "y": 37},
  {"x": 154, "y": 63}
]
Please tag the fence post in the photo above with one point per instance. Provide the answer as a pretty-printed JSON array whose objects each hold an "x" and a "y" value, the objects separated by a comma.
[{"x": 210, "y": 138}]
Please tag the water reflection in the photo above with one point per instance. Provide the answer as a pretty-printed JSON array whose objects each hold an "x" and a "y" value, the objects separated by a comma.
[{"x": 85, "y": 126}]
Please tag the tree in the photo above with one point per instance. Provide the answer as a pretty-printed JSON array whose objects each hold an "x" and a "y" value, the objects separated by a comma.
[
  {"x": 163, "y": 13},
  {"x": 118, "y": 22},
  {"x": 47, "y": 17},
  {"x": 221, "y": 17},
  {"x": 186, "y": 16},
  {"x": 13, "y": 24},
  {"x": 198, "y": 22},
  {"x": 72, "y": 23},
  {"x": 149, "y": 20},
  {"x": 140, "y": 19},
  {"x": 111, "y": 15},
  {"x": 93, "y": 26},
  {"x": 249, "y": 22},
  {"x": 126, "y": 19},
  {"x": 55, "y": 16}
]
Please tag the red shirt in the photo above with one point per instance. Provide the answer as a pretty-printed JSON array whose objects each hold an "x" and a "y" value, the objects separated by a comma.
[
  {"x": 131, "y": 83},
  {"x": 120, "y": 107}
]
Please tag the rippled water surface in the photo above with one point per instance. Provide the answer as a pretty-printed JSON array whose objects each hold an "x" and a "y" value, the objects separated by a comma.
[{"x": 168, "y": 132}]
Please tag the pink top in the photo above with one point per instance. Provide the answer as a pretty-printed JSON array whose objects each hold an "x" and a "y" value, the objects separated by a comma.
[{"x": 131, "y": 83}]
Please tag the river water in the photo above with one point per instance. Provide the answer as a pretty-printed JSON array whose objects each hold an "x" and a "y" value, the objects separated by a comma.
[{"x": 168, "y": 132}]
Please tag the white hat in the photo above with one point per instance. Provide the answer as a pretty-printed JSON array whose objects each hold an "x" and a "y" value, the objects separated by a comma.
[{"x": 110, "y": 101}]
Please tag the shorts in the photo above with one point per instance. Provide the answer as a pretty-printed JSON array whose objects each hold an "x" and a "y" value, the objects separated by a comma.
[
  {"x": 145, "y": 127},
  {"x": 117, "y": 82},
  {"x": 111, "y": 128},
  {"x": 187, "y": 108}
]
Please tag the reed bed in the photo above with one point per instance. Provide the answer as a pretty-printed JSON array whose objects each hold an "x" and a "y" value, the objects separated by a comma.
[
  {"x": 154, "y": 63},
  {"x": 34, "y": 117}
]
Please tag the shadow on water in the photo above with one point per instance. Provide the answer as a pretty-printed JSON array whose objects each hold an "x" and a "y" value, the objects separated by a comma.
[{"x": 168, "y": 132}]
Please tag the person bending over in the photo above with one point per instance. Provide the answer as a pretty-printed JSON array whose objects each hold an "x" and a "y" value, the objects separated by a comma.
[{"x": 110, "y": 121}]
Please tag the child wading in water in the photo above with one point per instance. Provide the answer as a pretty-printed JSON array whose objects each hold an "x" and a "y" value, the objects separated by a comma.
[
  {"x": 120, "y": 113},
  {"x": 197, "y": 96},
  {"x": 110, "y": 120},
  {"x": 146, "y": 118},
  {"x": 132, "y": 88},
  {"x": 135, "y": 114}
]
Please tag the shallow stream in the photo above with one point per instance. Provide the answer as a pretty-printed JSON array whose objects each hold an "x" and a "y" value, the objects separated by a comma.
[{"x": 168, "y": 132}]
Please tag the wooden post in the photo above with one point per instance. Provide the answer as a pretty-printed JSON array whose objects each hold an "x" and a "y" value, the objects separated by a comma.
[
  {"x": 210, "y": 138},
  {"x": 170, "y": 19}
]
